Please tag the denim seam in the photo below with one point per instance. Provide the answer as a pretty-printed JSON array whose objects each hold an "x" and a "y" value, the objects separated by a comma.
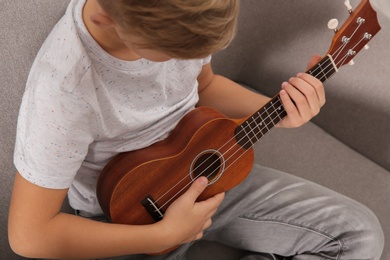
[{"x": 311, "y": 229}]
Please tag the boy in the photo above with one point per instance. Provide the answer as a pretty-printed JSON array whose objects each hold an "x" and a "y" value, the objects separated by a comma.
[{"x": 116, "y": 76}]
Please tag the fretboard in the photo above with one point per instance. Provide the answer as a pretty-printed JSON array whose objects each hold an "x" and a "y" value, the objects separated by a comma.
[{"x": 261, "y": 122}]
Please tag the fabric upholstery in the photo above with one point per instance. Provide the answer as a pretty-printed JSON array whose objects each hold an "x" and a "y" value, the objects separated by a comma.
[{"x": 346, "y": 148}]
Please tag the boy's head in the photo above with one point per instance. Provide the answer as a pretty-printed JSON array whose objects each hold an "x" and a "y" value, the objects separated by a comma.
[{"x": 179, "y": 28}]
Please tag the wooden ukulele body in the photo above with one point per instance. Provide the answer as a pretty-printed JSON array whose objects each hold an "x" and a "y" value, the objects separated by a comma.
[{"x": 203, "y": 143}]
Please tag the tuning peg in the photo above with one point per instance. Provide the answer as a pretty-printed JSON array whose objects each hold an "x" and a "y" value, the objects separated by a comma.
[
  {"x": 351, "y": 52},
  {"x": 332, "y": 25},
  {"x": 347, "y": 3},
  {"x": 367, "y": 36}
]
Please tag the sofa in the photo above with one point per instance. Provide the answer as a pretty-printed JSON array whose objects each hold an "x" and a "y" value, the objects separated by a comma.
[{"x": 346, "y": 147}]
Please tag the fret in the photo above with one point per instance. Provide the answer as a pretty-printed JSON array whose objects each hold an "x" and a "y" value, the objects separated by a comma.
[
  {"x": 242, "y": 136},
  {"x": 249, "y": 131},
  {"x": 279, "y": 109},
  {"x": 260, "y": 123},
  {"x": 248, "y": 136},
  {"x": 324, "y": 69},
  {"x": 277, "y": 106},
  {"x": 316, "y": 70},
  {"x": 329, "y": 68},
  {"x": 253, "y": 122},
  {"x": 271, "y": 122},
  {"x": 267, "y": 123},
  {"x": 323, "y": 76}
]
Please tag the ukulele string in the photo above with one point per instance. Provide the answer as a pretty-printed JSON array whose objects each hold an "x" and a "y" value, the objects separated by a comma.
[
  {"x": 249, "y": 140},
  {"x": 229, "y": 158},
  {"x": 197, "y": 176},
  {"x": 346, "y": 40},
  {"x": 339, "y": 64},
  {"x": 263, "y": 121},
  {"x": 339, "y": 51},
  {"x": 242, "y": 130},
  {"x": 214, "y": 153},
  {"x": 245, "y": 151},
  {"x": 270, "y": 124},
  {"x": 352, "y": 49}
]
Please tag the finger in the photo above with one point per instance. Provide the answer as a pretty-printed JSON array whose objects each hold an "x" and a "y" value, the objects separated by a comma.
[
  {"x": 213, "y": 210},
  {"x": 199, "y": 235},
  {"x": 288, "y": 104},
  {"x": 299, "y": 107},
  {"x": 219, "y": 197},
  {"x": 211, "y": 204},
  {"x": 196, "y": 188},
  {"x": 316, "y": 84},
  {"x": 207, "y": 224},
  {"x": 310, "y": 94}
]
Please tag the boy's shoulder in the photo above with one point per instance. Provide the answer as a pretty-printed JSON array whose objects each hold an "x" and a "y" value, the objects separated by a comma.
[{"x": 62, "y": 60}]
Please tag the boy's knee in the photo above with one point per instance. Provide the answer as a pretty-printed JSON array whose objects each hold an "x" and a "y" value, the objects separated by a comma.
[
  {"x": 369, "y": 239},
  {"x": 375, "y": 236}
]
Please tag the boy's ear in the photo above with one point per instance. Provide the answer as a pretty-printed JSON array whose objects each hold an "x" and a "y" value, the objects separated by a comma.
[{"x": 101, "y": 20}]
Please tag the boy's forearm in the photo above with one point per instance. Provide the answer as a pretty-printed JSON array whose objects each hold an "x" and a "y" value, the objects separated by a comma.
[
  {"x": 230, "y": 98},
  {"x": 68, "y": 236},
  {"x": 37, "y": 229},
  {"x": 98, "y": 239}
]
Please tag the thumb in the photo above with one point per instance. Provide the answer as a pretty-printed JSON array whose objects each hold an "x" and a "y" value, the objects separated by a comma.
[{"x": 197, "y": 188}]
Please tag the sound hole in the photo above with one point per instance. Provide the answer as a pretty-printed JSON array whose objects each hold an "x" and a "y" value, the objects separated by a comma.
[{"x": 207, "y": 164}]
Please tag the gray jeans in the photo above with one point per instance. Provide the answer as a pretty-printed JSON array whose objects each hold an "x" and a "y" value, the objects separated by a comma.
[{"x": 277, "y": 213}]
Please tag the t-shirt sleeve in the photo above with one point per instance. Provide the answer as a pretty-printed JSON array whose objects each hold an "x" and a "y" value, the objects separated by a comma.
[
  {"x": 55, "y": 129},
  {"x": 206, "y": 60}
]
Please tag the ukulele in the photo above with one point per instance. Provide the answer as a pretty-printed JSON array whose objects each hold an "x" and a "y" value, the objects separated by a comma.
[{"x": 137, "y": 187}]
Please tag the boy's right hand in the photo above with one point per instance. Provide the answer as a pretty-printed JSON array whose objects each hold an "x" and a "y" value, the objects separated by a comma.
[{"x": 185, "y": 219}]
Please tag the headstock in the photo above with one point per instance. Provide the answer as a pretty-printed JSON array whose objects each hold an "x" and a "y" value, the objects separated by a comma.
[{"x": 360, "y": 27}]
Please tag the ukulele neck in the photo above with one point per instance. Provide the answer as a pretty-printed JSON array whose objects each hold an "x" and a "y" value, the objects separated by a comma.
[
  {"x": 352, "y": 37},
  {"x": 261, "y": 122}
]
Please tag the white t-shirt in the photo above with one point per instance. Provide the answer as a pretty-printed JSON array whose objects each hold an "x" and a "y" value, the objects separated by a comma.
[{"x": 82, "y": 106}]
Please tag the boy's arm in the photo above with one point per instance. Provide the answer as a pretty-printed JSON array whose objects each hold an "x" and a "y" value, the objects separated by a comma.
[
  {"x": 227, "y": 96},
  {"x": 38, "y": 229},
  {"x": 302, "y": 96}
]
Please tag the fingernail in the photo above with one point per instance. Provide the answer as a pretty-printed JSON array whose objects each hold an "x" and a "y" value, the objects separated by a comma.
[
  {"x": 284, "y": 85},
  {"x": 203, "y": 180},
  {"x": 299, "y": 74}
]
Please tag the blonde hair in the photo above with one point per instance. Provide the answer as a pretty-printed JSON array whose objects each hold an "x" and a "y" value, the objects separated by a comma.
[{"x": 180, "y": 28}]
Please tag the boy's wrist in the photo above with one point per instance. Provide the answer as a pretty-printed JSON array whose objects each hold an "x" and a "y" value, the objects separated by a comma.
[{"x": 164, "y": 238}]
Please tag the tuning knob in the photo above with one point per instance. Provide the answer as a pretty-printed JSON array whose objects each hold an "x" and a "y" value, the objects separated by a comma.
[
  {"x": 332, "y": 25},
  {"x": 351, "y": 63},
  {"x": 347, "y": 3},
  {"x": 367, "y": 36}
]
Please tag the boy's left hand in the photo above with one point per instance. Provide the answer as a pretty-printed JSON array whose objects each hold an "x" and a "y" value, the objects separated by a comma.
[{"x": 302, "y": 97}]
